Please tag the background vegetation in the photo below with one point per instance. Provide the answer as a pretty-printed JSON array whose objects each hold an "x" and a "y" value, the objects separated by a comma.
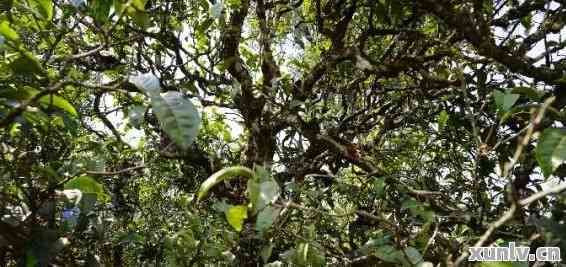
[{"x": 279, "y": 132}]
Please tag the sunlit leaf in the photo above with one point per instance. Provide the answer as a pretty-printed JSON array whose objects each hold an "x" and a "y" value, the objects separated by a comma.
[
  {"x": 53, "y": 100},
  {"x": 526, "y": 21},
  {"x": 551, "y": 150},
  {"x": 262, "y": 194},
  {"x": 87, "y": 184},
  {"x": 146, "y": 82},
  {"x": 7, "y": 32},
  {"x": 177, "y": 116},
  {"x": 74, "y": 195},
  {"x": 236, "y": 216},
  {"x": 43, "y": 7},
  {"x": 139, "y": 4},
  {"x": 269, "y": 192},
  {"x": 442, "y": 119},
  {"x": 142, "y": 19}
]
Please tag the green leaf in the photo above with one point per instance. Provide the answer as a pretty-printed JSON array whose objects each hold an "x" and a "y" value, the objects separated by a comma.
[
  {"x": 178, "y": 117},
  {"x": 88, "y": 200},
  {"x": 268, "y": 193},
  {"x": 100, "y": 9},
  {"x": 26, "y": 64},
  {"x": 31, "y": 261},
  {"x": 262, "y": 194},
  {"x": 442, "y": 119},
  {"x": 409, "y": 204},
  {"x": 266, "y": 252},
  {"x": 262, "y": 174},
  {"x": 265, "y": 218},
  {"x": 142, "y": 19},
  {"x": 551, "y": 150},
  {"x": 529, "y": 92},
  {"x": 147, "y": 82},
  {"x": 413, "y": 255},
  {"x": 504, "y": 101},
  {"x": 135, "y": 115},
  {"x": 43, "y": 7},
  {"x": 308, "y": 254},
  {"x": 86, "y": 185},
  {"x": 236, "y": 216},
  {"x": 54, "y": 100},
  {"x": 8, "y": 32},
  {"x": 234, "y": 3},
  {"x": 222, "y": 175},
  {"x": 526, "y": 21},
  {"x": 139, "y": 4},
  {"x": 263, "y": 189},
  {"x": 389, "y": 253}
]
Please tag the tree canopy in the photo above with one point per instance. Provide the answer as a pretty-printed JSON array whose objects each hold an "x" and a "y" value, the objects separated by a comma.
[{"x": 279, "y": 132}]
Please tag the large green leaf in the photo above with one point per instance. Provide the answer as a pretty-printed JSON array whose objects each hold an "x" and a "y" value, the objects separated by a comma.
[
  {"x": 178, "y": 117},
  {"x": 26, "y": 64},
  {"x": 265, "y": 218},
  {"x": 222, "y": 175},
  {"x": 147, "y": 82},
  {"x": 54, "y": 100},
  {"x": 505, "y": 100},
  {"x": 236, "y": 216},
  {"x": 100, "y": 9},
  {"x": 87, "y": 185},
  {"x": 43, "y": 7},
  {"x": 8, "y": 32},
  {"x": 262, "y": 194},
  {"x": 551, "y": 150}
]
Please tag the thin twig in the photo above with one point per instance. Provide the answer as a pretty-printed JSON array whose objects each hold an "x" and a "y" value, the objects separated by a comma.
[
  {"x": 383, "y": 221},
  {"x": 508, "y": 215}
]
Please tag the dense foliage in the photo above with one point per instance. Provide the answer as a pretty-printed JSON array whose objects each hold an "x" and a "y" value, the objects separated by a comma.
[{"x": 279, "y": 132}]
